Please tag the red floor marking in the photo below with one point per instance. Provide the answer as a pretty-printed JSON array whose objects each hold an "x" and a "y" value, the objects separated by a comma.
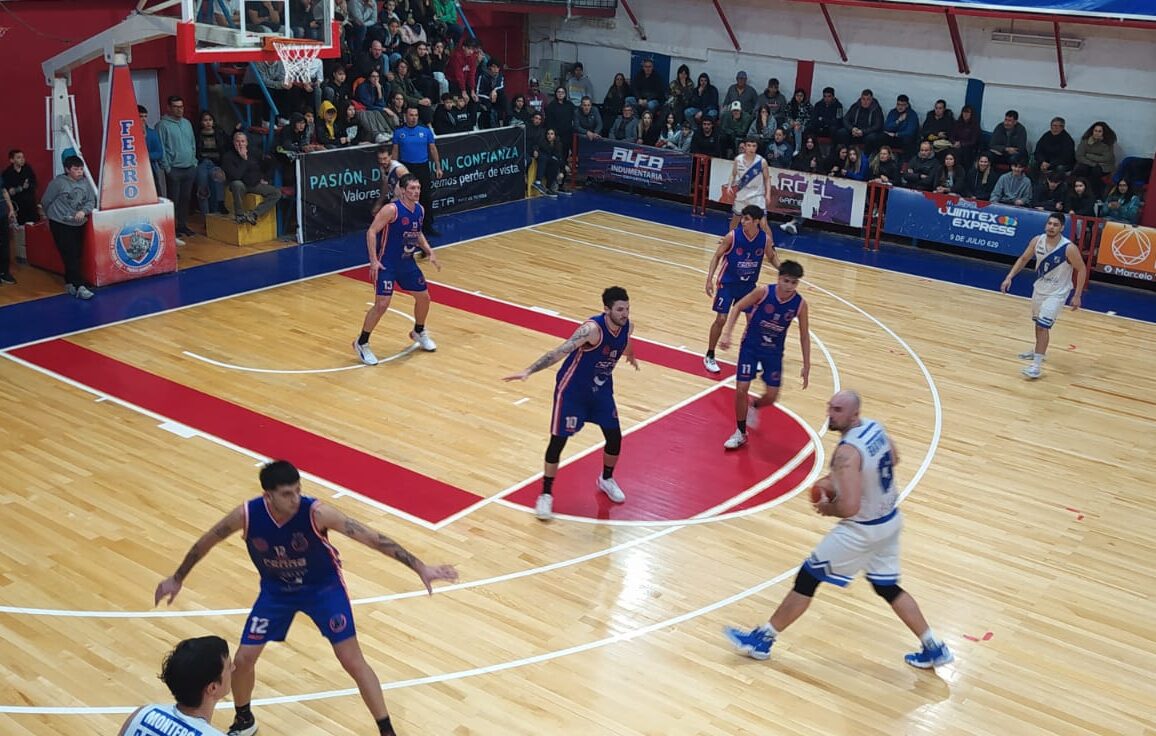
[
  {"x": 1079, "y": 516},
  {"x": 986, "y": 637},
  {"x": 560, "y": 327},
  {"x": 677, "y": 468},
  {"x": 360, "y": 472}
]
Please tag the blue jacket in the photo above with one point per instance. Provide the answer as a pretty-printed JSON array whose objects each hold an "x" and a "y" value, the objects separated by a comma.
[
  {"x": 156, "y": 148},
  {"x": 908, "y": 128}
]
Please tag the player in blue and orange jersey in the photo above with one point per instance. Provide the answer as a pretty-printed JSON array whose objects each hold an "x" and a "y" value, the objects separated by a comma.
[
  {"x": 740, "y": 253},
  {"x": 584, "y": 391},
  {"x": 287, "y": 535},
  {"x": 772, "y": 309},
  {"x": 391, "y": 264}
]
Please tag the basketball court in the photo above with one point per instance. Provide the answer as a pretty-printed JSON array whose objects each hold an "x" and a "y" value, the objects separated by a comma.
[{"x": 131, "y": 430}]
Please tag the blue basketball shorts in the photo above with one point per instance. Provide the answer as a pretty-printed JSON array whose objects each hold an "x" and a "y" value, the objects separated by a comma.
[
  {"x": 727, "y": 295},
  {"x": 408, "y": 276},
  {"x": 574, "y": 406},
  {"x": 273, "y": 613},
  {"x": 750, "y": 360}
]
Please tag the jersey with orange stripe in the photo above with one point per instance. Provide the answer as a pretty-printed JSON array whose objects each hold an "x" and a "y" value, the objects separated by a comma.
[{"x": 584, "y": 387}]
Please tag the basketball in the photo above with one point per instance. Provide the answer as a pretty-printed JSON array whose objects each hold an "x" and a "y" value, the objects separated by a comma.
[{"x": 823, "y": 490}]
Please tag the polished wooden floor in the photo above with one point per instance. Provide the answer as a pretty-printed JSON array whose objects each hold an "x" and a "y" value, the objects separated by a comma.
[{"x": 1029, "y": 535}]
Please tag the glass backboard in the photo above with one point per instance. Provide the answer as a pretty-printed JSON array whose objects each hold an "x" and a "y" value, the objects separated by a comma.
[{"x": 243, "y": 30}]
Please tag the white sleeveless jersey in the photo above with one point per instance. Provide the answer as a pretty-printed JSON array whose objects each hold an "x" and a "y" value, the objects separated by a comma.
[
  {"x": 754, "y": 189},
  {"x": 166, "y": 720},
  {"x": 874, "y": 446},
  {"x": 1053, "y": 272}
]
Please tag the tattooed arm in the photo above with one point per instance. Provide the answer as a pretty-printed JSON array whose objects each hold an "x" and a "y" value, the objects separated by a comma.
[
  {"x": 327, "y": 517},
  {"x": 586, "y": 334},
  {"x": 170, "y": 586}
]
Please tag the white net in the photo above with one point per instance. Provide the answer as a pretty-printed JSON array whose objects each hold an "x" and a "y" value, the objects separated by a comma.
[{"x": 297, "y": 58}]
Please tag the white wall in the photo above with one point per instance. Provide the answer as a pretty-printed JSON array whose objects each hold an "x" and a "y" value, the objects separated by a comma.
[{"x": 1113, "y": 77}]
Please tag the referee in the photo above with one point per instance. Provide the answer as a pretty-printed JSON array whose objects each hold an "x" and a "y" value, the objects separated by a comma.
[{"x": 414, "y": 147}]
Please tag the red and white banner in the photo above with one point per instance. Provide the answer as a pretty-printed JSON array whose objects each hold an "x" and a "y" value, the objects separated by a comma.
[{"x": 126, "y": 174}]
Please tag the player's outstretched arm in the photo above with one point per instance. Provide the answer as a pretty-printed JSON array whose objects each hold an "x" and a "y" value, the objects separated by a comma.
[
  {"x": 170, "y": 586},
  {"x": 328, "y": 517},
  {"x": 582, "y": 336},
  {"x": 748, "y": 301},
  {"x": 1018, "y": 266}
]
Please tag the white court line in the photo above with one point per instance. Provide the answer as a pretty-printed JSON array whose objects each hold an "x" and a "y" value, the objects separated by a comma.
[
  {"x": 213, "y": 438},
  {"x": 714, "y": 515},
  {"x": 259, "y": 289},
  {"x": 937, "y": 431},
  {"x": 993, "y": 291},
  {"x": 445, "y": 676},
  {"x": 412, "y": 346},
  {"x": 548, "y": 656}
]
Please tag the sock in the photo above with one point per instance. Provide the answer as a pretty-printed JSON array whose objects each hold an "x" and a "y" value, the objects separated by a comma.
[
  {"x": 364, "y": 339},
  {"x": 769, "y": 630},
  {"x": 547, "y": 485},
  {"x": 928, "y": 639},
  {"x": 607, "y": 471},
  {"x": 385, "y": 727},
  {"x": 1037, "y": 358},
  {"x": 244, "y": 712},
  {"x": 710, "y": 353},
  {"x": 419, "y": 329},
  {"x": 742, "y": 424}
]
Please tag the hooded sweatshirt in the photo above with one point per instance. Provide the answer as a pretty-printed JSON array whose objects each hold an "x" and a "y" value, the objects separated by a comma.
[{"x": 327, "y": 131}]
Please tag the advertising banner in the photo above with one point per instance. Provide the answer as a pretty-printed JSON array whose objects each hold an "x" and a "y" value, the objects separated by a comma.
[
  {"x": 964, "y": 223},
  {"x": 337, "y": 187},
  {"x": 1127, "y": 251},
  {"x": 799, "y": 194},
  {"x": 1139, "y": 9},
  {"x": 620, "y": 162}
]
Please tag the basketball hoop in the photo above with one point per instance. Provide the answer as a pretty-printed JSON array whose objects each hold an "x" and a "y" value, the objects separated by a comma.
[{"x": 297, "y": 57}]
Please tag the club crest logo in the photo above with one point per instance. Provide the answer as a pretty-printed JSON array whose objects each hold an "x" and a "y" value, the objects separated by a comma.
[
  {"x": 135, "y": 246},
  {"x": 259, "y": 544},
  {"x": 298, "y": 542},
  {"x": 338, "y": 623},
  {"x": 738, "y": 251},
  {"x": 405, "y": 222}
]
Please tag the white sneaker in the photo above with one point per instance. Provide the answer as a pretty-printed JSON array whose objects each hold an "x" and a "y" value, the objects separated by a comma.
[
  {"x": 711, "y": 365},
  {"x": 1032, "y": 371},
  {"x": 83, "y": 292},
  {"x": 790, "y": 227},
  {"x": 752, "y": 416},
  {"x": 424, "y": 340},
  {"x": 609, "y": 486},
  {"x": 544, "y": 507},
  {"x": 1029, "y": 355},
  {"x": 737, "y": 440},
  {"x": 364, "y": 354}
]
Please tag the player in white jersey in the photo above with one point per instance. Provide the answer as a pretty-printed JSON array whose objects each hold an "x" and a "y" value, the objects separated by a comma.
[
  {"x": 1056, "y": 259},
  {"x": 750, "y": 181},
  {"x": 198, "y": 672},
  {"x": 866, "y": 537}
]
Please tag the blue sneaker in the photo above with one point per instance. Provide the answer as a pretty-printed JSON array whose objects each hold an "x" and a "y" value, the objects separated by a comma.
[
  {"x": 930, "y": 657},
  {"x": 755, "y": 643}
]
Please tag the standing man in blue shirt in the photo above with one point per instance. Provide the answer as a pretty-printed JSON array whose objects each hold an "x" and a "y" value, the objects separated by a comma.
[{"x": 414, "y": 147}]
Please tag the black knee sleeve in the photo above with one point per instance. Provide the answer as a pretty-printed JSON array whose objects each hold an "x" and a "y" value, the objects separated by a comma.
[
  {"x": 613, "y": 441},
  {"x": 806, "y": 583},
  {"x": 554, "y": 449},
  {"x": 887, "y": 592}
]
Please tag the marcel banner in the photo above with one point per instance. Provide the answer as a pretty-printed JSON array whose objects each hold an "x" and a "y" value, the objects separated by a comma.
[
  {"x": 1127, "y": 251},
  {"x": 652, "y": 168},
  {"x": 964, "y": 223},
  {"x": 800, "y": 194},
  {"x": 337, "y": 187}
]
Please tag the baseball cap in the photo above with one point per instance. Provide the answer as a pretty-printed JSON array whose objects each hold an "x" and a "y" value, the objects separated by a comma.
[
  {"x": 736, "y": 105},
  {"x": 533, "y": 81}
]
